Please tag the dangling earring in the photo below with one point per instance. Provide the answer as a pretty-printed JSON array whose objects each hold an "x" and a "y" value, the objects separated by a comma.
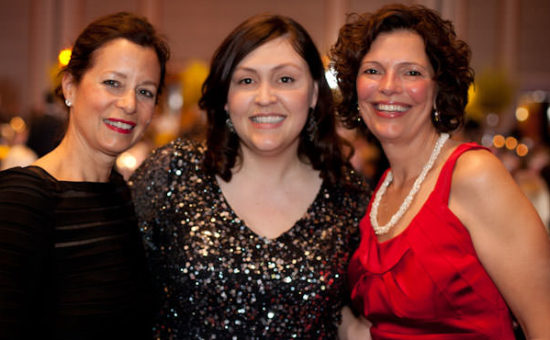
[
  {"x": 358, "y": 114},
  {"x": 311, "y": 127},
  {"x": 435, "y": 114},
  {"x": 68, "y": 103},
  {"x": 229, "y": 124},
  {"x": 436, "y": 117}
]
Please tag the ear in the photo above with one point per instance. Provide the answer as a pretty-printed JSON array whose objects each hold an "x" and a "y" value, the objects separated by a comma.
[
  {"x": 68, "y": 86},
  {"x": 314, "y": 95}
]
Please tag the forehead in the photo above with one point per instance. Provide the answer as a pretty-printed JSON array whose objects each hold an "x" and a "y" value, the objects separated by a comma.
[
  {"x": 273, "y": 53},
  {"x": 402, "y": 44},
  {"x": 123, "y": 51}
]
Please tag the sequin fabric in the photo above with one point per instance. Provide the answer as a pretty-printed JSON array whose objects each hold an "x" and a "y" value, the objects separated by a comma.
[{"x": 219, "y": 280}]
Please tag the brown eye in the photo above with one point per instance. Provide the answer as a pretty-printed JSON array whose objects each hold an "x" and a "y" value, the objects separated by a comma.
[
  {"x": 245, "y": 81},
  {"x": 287, "y": 79},
  {"x": 414, "y": 73},
  {"x": 146, "y": 93},
  {"x": 111, "y": 83}
]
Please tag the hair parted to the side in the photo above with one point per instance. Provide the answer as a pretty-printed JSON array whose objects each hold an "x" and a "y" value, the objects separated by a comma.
[
  {"x": 449, "y": 57},
  {"x": 105, "y": 29},
  {"x": 323, "y": 151}
]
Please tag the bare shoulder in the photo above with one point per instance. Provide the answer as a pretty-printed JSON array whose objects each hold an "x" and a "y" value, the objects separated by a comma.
[
  {"x": 479, "y": 171},
  {"x": 486, "y": 198}
]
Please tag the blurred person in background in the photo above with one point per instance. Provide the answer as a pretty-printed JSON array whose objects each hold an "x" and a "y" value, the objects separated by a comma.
[
  {"x": 449, "y": 242},
  {"x": 46, "y": 128},
  {"x": 14, "y": 136},
  {"x": 249, "y": 236},
  {"x": 72, "y": 263}
]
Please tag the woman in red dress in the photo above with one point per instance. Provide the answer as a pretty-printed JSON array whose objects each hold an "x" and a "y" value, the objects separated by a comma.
[{"x": 450, "y": 245}]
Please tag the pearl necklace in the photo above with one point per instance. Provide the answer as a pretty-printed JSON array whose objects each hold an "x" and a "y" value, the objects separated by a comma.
[{"x": 379, "y": 230}]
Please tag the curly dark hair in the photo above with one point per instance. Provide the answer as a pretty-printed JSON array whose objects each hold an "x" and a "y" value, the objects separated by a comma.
[
  {"x": 449, "y": 57},
  {"x": 105, "y": 29},
  {"x": 323, "y": 151}
]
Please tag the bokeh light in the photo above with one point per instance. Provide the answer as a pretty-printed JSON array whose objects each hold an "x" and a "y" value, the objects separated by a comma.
[
  {"x": 522, "y": 114},
  {"x": 511, "y": 143},
  {"x": 330, "y": 75},
  {"x": 126, "y": 161},
  {"x": 18, "y": 124},
  {"x": 492, "y": 119},
  {"x": 498, "y": 141},
  {"x": 522, "y": 150},
  {"x": 64, "y": 56}
]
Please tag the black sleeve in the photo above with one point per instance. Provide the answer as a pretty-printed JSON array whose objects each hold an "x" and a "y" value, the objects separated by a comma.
[
  {"x": 149, "y": 185},
  {"x": 26, "y": 228}
]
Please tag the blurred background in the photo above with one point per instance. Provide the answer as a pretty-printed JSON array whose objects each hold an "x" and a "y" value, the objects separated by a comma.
[{"x": 508, "y": 109}]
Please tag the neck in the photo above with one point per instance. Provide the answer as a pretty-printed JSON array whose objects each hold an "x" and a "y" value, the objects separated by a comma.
[
  {"x": 271, "y": 170},
  {"x": 71, "y": 161},
  {"x": 407, "y": 158},
  {"x": 410, "y": 196}
]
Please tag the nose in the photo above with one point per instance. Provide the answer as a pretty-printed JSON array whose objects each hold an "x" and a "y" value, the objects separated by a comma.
[
  {"x": 127, "y": 101},
  {"x": 390, "y": 83},
  {"x": 265, "y": 95}
]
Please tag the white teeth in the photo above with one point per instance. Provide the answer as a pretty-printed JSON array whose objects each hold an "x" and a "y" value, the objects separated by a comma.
[
  {"x": 391, "y": 107},
  {"x": 267, "y": 119},
  {"x": 119, "y": 125}
]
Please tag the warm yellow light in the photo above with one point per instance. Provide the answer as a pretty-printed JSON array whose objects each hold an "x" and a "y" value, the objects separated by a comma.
[
  {"x": 4, "y": 149},
  {"x": 126, "y": 161},
  {"x": 498, "y": 141},
  {"x": 511, "y": 143},
  {"x": 64, "y": 56},
  {"x": 522, "y": 150},
  {"x": 18, "y": 124},
  {"x": 522, "y": 114}
]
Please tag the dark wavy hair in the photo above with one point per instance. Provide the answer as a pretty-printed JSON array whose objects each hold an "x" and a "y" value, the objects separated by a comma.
[
  {"x": 449, "y": 57},
  {"x": 323, "y": 151},
  {"x": 99, "y": 32}
]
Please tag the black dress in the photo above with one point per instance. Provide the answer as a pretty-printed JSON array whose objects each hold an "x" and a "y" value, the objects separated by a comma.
[
  {"x": 218, "y": 279},
  {"x": 71, "y": 260}
]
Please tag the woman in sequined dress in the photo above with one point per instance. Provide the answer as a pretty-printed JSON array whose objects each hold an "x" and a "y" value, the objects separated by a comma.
[
  {"x": 449, "y": 243},
  {"x": 72, "y": 264},
  {"x": 249, "y": 236}
]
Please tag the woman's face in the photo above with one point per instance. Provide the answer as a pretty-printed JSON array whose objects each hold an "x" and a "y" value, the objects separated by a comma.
[
  {"x": 115, "y": 98},
  {"x": 395, "y": 86},
  {"x": 270, "y": 93}
]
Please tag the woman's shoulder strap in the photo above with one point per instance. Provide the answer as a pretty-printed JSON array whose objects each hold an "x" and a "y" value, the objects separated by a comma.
[{"x": 443, "y": 186}]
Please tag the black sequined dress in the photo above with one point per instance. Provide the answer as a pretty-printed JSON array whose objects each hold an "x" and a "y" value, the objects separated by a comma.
[{"x": 218, "y": 279}]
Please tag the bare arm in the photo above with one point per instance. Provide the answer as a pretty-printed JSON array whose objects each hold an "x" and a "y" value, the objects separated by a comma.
[
  {"x": 508, "y": 236},
  {"x": 352, "y": 327}
]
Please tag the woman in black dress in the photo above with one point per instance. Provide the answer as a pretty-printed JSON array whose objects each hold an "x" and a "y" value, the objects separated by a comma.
[{"x": 71, "y": 259}]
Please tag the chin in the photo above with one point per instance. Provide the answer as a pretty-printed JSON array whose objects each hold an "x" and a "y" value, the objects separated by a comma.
[{"x": 116, "y": 149}]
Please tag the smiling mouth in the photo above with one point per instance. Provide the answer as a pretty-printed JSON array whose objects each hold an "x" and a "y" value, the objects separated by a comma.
[
  {"x": 391, "y": 107},
  {"x": 267, "y": 119},
  {"x": 120, "y": 126}
]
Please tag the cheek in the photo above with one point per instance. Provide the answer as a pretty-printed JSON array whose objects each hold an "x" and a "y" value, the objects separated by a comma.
[
  {"x": 96, "y": 100},
  {"x": 147, "y": 110},
  {"x": 365, "y": 88},
  {"x": 300, "y": 100},
  {"x": 237, "y": 102},
  {"x": 421, "y": 92}
]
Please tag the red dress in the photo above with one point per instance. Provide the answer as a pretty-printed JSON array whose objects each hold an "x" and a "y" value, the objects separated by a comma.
[{"x": 427, "y": 282}]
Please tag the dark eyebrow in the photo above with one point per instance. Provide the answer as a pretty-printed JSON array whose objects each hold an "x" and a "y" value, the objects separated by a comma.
[
  {"x": 123, "y": 76},
  {"x": 276, "y": 68}
]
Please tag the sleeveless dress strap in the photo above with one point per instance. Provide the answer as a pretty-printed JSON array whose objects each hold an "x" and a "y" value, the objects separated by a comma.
[{"x": 443, "y": 185}]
